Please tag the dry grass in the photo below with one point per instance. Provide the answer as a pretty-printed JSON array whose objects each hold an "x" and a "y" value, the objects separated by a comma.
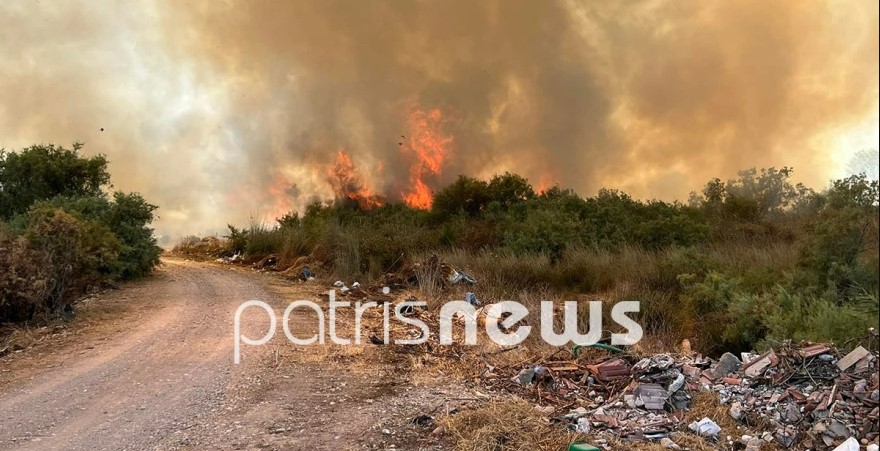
[
  {"x": 513, "y": 423},
  {"x": 507, "y": 425},
  {"x": 15, "y": 338},
  {"x": 707, "y": 405},
  {"x": 206, "y": 248}
]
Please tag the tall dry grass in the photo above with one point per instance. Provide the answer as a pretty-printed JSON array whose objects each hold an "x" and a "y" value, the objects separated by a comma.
[{"x": 629, "y": 273}]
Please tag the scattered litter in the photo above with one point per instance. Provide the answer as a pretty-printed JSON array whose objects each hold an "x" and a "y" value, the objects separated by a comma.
[
  {"x": 803, "y": 396},
  {"x": 235, "y": 258},
  {"x": 535, "y": 375},
  {"x": 432, "y": 267},
  {"x": 582, "y": 426},
  {"x": 705, "y": 427},
  {"x": 268, "y": 263},
  {"x": 850, "y": 444}
]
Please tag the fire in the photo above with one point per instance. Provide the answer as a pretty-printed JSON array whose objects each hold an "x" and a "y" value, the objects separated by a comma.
[
  {"x": 427, "y": 149},
  {"x": 280, "y": 191},
  {"x": 419, "y": 196},
  {"x": 347, "y": 183},
  {"x": 545, "y": 182}
]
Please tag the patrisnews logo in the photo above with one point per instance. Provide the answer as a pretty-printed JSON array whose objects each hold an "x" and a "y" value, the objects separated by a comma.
[{"x": 502, "y": 323}]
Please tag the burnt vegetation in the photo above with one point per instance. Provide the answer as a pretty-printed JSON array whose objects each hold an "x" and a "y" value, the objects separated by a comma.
[
  {"x": 744, "y": 262},
  {"x": 63, "y": 232}
]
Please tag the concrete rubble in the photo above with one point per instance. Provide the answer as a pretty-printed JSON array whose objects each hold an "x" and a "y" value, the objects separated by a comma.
[{"x": 797, "y": 396}]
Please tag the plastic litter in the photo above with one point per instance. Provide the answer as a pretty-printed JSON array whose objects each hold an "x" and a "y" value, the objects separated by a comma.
[{"x": 705, "y": 427}]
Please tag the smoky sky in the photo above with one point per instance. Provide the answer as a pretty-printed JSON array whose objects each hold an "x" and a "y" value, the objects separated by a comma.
[{"x": 222, "y": 111}]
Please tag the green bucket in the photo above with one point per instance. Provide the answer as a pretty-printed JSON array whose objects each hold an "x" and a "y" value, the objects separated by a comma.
[{"x": 582, "y": 447}]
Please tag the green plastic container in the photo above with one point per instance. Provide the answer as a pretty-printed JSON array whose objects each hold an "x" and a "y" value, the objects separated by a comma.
[{"x": 582, "y": 447}]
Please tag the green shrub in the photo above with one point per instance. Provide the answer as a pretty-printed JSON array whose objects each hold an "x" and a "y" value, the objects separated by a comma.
[
  {"x": 262, "y": 241},
  {"x": 127, "y": 217},
  {"x": 42, "y": 172},
  {"x": 799, "y": 317},
  {"x": 64, "y": 234},
  {"x": 738, "y": 266},
  {"x": 839, "y": 251},
  {"x": 542, "y": 231},
  {"x": 70, "y": 254}
]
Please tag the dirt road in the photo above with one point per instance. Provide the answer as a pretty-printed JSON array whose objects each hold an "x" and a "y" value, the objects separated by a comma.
[{"x": 159, "y": 375}]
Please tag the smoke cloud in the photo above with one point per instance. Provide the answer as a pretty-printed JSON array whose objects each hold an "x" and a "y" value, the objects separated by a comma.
[{"x": 219, "y": 111}]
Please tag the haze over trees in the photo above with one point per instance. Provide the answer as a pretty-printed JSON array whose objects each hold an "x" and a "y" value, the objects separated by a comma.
[{"x": 866, "y": 161}]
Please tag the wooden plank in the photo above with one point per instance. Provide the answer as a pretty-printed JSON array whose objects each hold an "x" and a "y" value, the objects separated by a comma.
[{"x": 851, "y": 358}]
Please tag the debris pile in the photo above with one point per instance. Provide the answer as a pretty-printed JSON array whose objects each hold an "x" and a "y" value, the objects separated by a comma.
[
  {"x": 205, "y": 248},
  {"x": 806, "y": 396},
  {"x": 234, "y": 258},
  {"x": 434, "y": 270},
  {"x": 267, "y": 263}
]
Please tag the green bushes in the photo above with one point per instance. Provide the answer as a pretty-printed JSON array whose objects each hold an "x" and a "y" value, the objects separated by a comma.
[
  {"x": 64, "y": 234},
  {"x": 41, "y": 172},
  {"x": 800, "y": 317},
  {"x": 839, "y": 249},
  {"x": 737, "y": 266},
  {"x": 126, "y": 216}
]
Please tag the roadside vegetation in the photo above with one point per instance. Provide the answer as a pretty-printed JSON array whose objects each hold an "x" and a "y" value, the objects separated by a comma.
[
  {"x": 63, "y": 232},
  {"x": 743, "y": 263}
]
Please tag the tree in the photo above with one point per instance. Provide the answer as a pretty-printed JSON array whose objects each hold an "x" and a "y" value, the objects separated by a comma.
[
  {"x": 130, "y": 214},
  {"x": 465, "y": 195},
  {"x": 508, "y": 189},
  {"x": 840, "y": 249},
  {"x": 753, "y": 196},
  {"x": 42, "y": 172}
]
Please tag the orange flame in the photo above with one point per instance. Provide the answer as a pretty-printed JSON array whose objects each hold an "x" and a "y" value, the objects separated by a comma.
[
  {"x": 419, "y": 196},
  {"x": 281, "y": 191},
  {"x": 347, "y": 183},
  {"x": 547, "y": 181},
  {"x": 428, "y": 150}
]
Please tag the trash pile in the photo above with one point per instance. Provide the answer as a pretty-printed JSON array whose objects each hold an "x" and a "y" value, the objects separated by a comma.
[
  {"x": 431, "y": 271},
  {"x": 234, "y": 258},
  {"x": 433, "y": 267},
  {"x": 806, "y": 396}
]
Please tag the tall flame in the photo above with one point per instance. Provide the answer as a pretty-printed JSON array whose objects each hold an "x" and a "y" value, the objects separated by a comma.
[
  {"x": 348, "y": 184},
  {"x": 427, "y": 148}
]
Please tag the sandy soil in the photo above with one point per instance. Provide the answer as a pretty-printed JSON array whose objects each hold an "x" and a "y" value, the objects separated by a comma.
[{"x": 150, "y": 366}]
